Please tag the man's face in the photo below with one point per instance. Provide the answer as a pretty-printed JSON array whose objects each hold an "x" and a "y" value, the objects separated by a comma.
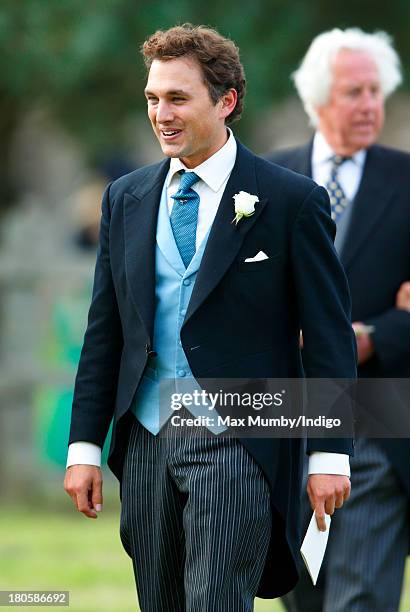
[
  {"x": 354, "y": 115},
  {"x": 186, "y": 122}
]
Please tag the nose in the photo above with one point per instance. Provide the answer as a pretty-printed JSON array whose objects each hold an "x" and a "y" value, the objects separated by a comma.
[
  {"x": 164, "y": 112},
  {"x": 369, "y": 100}
]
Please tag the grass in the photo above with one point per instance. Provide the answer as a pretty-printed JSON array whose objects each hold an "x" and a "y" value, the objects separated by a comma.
[{"x": 55, "y": 549}]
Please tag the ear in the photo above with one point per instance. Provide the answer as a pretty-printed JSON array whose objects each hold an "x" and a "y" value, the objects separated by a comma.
[{"x": 228, "y": 102}]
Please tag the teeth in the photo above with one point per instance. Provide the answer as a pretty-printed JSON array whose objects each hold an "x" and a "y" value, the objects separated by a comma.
[{"x": 169, "y": 133}]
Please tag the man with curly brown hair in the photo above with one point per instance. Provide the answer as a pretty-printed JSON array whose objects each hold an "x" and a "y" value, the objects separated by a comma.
[{"x": 180, "y": 291}]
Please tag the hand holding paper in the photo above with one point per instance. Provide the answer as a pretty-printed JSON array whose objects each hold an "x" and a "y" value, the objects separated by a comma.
[
  {"x": 327, "y": 492},
  {"x": 365, "y": 346},
  {"x": 360, "y": 329}
]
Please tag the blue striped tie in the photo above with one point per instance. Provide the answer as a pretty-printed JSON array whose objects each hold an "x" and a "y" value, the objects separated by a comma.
[{"x": 184, "y": 216}]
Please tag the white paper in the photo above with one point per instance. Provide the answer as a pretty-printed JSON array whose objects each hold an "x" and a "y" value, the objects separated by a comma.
[
  {"x": 258, "y": 257},
  {"x": 364, "y": 329},
  {"x": 314, "y": 546}
]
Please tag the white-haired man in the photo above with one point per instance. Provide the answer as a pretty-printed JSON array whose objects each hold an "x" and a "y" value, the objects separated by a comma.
[{"x": 343, "y": 82}]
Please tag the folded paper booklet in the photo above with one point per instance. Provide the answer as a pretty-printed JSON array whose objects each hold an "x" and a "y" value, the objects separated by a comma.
[
  {"x": 314, "y": 546},
  {"x": 364, "y": 329}
]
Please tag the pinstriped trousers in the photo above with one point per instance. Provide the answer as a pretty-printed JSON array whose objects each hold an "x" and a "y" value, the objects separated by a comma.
[
  {"x": 368, "y": 541},
  {"x": 368, "y": 547},
  {"x": 195, "y": 520}
]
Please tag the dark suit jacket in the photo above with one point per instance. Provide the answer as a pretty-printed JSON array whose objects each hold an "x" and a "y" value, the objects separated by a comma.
[
  {"x": 376, "y": 259},
  {"x": 243, "y": 319}
]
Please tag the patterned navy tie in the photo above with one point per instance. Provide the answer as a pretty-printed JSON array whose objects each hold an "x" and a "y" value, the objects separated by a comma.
[
  {"x": 338, "y": 199},
  {"x": 184, "y": 216}
]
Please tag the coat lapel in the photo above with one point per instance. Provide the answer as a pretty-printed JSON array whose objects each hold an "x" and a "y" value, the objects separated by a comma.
[
  {"x": 302, "y": 159},
  {"x": 372, "y": 198},
  {"x": 226, "y": 238},
  {"x": 140, "y": 222},
  {"x": 166, "y": 241}
]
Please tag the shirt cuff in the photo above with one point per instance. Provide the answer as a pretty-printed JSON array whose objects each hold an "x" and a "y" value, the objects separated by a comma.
[
  {"x": 329, "y": 463},
  {"x": 83, "y": 453}
]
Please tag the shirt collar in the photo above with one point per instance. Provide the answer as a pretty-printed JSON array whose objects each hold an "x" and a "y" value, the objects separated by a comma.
[
  {"x": 213, "y": 171},
  {"x": 322, "y": 152}
]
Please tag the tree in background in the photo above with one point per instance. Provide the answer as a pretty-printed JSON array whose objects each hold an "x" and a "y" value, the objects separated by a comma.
[{"x": 80, "y": 60}]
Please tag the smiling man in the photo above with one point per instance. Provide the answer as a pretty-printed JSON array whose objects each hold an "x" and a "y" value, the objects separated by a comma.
[
  {"x": 187, "y": 122},
  {"x": 209, "y": 521},
  {"x": 343, "y": 82}
]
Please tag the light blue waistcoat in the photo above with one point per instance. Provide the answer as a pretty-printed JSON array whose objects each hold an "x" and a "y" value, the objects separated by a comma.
[{"x": 173, "y": 290}]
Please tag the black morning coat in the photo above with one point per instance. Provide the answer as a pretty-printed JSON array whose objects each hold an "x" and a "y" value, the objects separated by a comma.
[
  {"x": 243, "y": 319},
  {"x": 376, "y": 259}
]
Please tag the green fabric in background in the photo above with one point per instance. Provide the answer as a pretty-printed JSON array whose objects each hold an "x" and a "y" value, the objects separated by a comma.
[{"x": 51, "y": 421}]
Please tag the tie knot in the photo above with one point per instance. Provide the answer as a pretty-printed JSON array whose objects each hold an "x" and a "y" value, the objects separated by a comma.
[
  {"x": 187, "y": 180},
  {"x": 338, "y": 160}
]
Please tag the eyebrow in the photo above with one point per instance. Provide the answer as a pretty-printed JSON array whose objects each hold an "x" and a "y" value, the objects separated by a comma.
[{"x": 172, "y": 92}]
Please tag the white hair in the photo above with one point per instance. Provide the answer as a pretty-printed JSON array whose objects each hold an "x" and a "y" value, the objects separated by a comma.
[{"x": 313, "y": 78}]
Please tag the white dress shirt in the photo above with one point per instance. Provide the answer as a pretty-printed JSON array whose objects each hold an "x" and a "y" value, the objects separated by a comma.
[
  {"x": 349, "y": 174},
  {"x": 214, "y": 174}
]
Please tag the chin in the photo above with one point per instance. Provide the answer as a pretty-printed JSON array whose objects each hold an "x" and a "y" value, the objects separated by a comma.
[
  {"x": 364, "y": 143},
  {"x": 366, "y": 139},
  {"x": 170, "y": 151}
]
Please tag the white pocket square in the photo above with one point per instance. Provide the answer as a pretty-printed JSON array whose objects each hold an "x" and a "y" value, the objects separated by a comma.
[{"x": 258, "y": 257}]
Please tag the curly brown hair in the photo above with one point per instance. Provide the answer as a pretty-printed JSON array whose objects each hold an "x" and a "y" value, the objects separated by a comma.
[{"x": 217, "y": 56}]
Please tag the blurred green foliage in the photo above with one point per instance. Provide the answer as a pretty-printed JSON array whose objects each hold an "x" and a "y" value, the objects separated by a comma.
[
  {"x": 43, "y": 550},
  {"x": 81, "y": 60}
]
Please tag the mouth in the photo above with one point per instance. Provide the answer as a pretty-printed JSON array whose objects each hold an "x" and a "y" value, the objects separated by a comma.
[
  {"x": 365, "y": 125},
  {"x": 170, "y": 134}
]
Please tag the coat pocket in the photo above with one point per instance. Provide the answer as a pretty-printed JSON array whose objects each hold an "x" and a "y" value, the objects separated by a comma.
[{"x": 255, "y": 266}]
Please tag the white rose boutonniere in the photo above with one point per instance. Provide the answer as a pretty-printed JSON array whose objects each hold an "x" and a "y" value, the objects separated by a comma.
[{"x": 244, "y": 205}]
